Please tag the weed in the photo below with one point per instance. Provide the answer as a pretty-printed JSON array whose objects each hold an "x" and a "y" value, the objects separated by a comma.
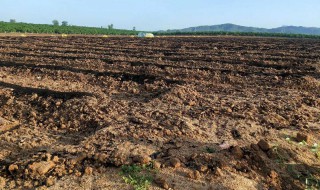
[
  {"x": 312, "y": 183},
  {"x": 316, "y": 150},
  {"x": 303, "y": 143},
  {"x": 210, "y": 150},
  {"x": 280, "y": 159},
  {"x": 138, "y": 176},
  {"x": 289, "y": 140}
]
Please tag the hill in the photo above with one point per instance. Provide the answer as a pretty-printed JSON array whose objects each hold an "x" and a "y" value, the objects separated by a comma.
[{"x": 238, "y": 28}]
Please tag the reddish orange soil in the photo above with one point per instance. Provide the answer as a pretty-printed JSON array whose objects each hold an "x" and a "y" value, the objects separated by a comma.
[{"x": 212, "y": 113}]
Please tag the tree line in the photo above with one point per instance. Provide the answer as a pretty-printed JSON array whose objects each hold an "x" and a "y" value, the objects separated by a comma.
[{"x": 63, "y": 28}]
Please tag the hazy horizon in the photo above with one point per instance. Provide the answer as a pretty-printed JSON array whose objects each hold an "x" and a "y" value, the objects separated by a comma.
[{"x": 164, "y": 14}]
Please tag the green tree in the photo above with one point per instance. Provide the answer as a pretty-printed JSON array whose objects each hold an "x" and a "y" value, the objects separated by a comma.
[
  {"x": 12, "y": 20},
  {"x": 64, "y": 23},
  {"x": 110, "y": 27},
  {"x": 55, "y": 23}
]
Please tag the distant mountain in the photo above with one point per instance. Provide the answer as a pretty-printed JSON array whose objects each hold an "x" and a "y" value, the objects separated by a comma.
[
  {"x": 238, "y": 28},
  {"x": 296, "y": 30}
]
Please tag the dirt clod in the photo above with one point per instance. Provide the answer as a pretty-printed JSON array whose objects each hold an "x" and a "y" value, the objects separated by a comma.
[
  {"x": 2, "y": 183},
  {"x": 88, "y": 171},
  {"x": 218, "y": 172},
  {"x": 28, "y": 185},
  {"x": 236, "y": 134},
  {"x": 175, "y": 162},
  {"x": 255, "y": 147},
  {"x": 48, "y": 157},
  {"x": 42, "y": 167},
  {"x": 303, "y": 137},
  {"x": 203, "y": 168},
  {"x": 272, "y": 153},
  {"x": 264, "y": 145},
  {"x": 13, "y": 167},
  {"x": 195, "y": 174},
  {"x": 237, "y": 152},
  {"x": 12, "y": 184},
  {"x": 273, "y": 174},
  {"x": 55, "y": 159},
  {"x": 229, "y": 110},
  {"x": 162, "y": 183},
  {"x": 156, "y": 165},
  {"x": 141, "y": 159},
  {"x": 50, "y": 181}
]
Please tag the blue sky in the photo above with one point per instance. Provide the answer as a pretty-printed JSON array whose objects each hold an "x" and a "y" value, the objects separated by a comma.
[{"x": 164, "y": 14}]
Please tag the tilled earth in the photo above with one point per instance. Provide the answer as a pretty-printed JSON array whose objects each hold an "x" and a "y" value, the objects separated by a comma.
[{"x": 209, "y": 113}]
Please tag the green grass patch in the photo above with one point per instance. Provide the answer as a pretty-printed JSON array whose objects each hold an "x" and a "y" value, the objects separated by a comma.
[
  {"x": 210, "y": 150},
  {"x": 139, "y": 176}
]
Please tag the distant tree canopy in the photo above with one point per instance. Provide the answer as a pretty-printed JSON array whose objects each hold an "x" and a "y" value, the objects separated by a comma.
[
  {"x": 110, "y": 27},
  {"x": 55, "y": 23},
  {"x": 64, "y": 23},
  {"x": 12, "y": 20},
  {"x": 6, "y": 27}
]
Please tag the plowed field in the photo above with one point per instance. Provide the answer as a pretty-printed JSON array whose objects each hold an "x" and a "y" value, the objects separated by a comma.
[{"x": 207, "y": 112}]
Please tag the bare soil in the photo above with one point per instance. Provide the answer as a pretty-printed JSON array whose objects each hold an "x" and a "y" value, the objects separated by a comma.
[{"x": 213, "y": 113}]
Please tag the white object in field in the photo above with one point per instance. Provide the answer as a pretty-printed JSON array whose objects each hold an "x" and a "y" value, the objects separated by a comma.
[
  {"x": 225, "y": 145},
  {"x": 145, "y": 35}
]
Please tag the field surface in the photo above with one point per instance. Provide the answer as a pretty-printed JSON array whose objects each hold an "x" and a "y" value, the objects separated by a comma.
[{"x": 207, "y": 112}]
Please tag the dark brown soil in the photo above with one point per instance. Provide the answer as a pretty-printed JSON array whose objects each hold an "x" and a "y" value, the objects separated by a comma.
[{"x": 75, "y": 109}]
